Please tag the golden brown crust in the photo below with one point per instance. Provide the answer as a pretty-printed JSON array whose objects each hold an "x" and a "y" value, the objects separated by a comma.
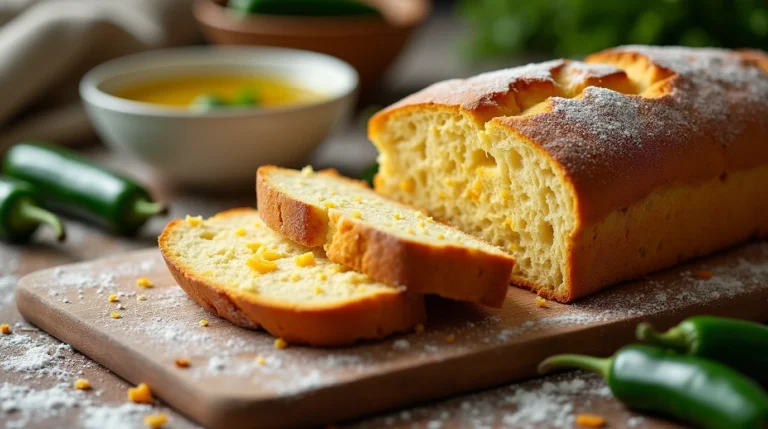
[
  {"x": 450, "y": 271},
  {"x": 337, "y": 324},
  {"x": 630, "y": 121}
]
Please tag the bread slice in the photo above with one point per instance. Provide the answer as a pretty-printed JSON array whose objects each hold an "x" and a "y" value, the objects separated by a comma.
[
  {"x": 239, "y": 269},
  {"x": 391, "y": 242}
]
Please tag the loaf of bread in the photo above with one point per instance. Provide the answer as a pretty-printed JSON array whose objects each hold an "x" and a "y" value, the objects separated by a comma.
[
  {"x": 590, "y": 173},
  {"x": 393, "y": 243},
  {"x": 239, "y": 269}
]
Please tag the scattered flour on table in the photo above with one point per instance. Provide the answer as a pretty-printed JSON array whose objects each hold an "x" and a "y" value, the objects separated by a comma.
[
  {"x": 124, "y": 416},
  {"x": 36, "y": 357},
  {"x": 542, "y": 403},
  {"x": 23, "y": 405}
]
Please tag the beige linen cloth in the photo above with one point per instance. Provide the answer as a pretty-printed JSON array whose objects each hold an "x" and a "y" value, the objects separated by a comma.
[{"x": 47, "y": 45}]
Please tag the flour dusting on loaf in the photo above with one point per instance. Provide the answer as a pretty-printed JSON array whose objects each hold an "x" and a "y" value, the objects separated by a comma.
[{"x": 592, "y": 172}]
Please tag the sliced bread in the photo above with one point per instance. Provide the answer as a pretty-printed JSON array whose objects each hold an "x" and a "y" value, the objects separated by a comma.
[
  {"x": 239, "y": 269},
  {"x": 393, "y": 243}
]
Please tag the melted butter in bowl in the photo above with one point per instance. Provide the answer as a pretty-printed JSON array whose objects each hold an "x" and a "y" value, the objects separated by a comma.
[
  {"x": 207, "y": 117},
  {"x": 231, "y": 90}
]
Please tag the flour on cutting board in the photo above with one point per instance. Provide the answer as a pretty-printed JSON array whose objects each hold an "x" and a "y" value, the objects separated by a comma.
[{"x": 650, "y": 297}]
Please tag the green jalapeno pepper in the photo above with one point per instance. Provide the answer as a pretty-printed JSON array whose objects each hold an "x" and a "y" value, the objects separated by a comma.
[
  {"x": 739, "y": 344},
  {"x": 67, "y": 181},
  {"x": 20, "y": 214},
  {"x": 699, "y": 391},
  {"x": 303, "y": 7}
]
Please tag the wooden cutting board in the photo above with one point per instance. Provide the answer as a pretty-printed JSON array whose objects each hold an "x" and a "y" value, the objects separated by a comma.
[{"x": 464, "y": 347}]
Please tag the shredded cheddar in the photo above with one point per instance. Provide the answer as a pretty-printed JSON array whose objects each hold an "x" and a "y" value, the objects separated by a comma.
[
  {"x": 194, "y": 220},
  {"x": 260, "y": 265},
  {"x": 305, "y": 260}
]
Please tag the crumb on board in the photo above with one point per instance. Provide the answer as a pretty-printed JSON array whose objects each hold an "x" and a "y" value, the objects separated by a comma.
[
  {"x": 155, "y": 421},
  {"x": 5, "y": 329},
  {"x": 280, "y": 343},
  {"x": 450, "y": 339},
  {"x": 115, "y": 315},
  {"x": 261, "y": 360},
  {"x": 203, "y": 322},
  {"x": 182, "y": 362},
  {"x": 590, "y": 421},
  {"x": 541, "y": 302},
  {"x": 82, "y": 384},
  {"x": 142, "y": 297},
  {"x": 703, "y": 274},
  {"x": 144, "y": 282},
  {"x": 140, "y": 394},
  {"x": 419, "y": 328},
  {"x": 113, "y": 298}
]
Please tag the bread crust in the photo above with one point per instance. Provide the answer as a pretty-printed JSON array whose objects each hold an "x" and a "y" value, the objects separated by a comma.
[
  {"x": 337, "y": 324},
  {"x": 450, "y": 271},
  {"x": 683, "y": 130}
]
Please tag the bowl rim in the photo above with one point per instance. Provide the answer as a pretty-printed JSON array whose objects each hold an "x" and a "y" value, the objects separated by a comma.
[
  {"x": 213, "y": 14},
  {"x": 148, "y": 60}
]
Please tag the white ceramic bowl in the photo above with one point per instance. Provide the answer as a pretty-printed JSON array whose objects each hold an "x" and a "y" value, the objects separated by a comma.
[{"x": 225, "y": 146}]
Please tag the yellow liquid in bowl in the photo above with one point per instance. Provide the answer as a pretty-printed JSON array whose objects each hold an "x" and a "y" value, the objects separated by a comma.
[{"x": 181, "y": 92}]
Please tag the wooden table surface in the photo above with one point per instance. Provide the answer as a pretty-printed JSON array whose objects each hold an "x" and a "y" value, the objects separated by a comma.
[{"x": 36, "y": 371}]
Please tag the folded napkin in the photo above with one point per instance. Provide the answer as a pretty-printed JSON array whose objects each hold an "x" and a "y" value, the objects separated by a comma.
[{"x": 47, "y": 45}]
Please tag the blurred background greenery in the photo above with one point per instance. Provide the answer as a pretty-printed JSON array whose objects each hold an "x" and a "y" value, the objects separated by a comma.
[{"x": 570, "y": 28}]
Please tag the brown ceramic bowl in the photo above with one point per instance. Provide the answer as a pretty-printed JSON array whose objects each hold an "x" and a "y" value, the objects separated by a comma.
[{"x": 370, "y": 44}]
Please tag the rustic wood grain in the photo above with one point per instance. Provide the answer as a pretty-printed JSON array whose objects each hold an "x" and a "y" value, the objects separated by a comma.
[{"x": 492, "y": 346}]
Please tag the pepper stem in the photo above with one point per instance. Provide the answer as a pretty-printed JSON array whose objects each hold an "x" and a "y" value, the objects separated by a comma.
[
  {"x": 147, "y": 209},
  {"x": 674, "y": 338},
  {"x": 29, "y": 212},
  {"x": 600, "y": 366}
]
